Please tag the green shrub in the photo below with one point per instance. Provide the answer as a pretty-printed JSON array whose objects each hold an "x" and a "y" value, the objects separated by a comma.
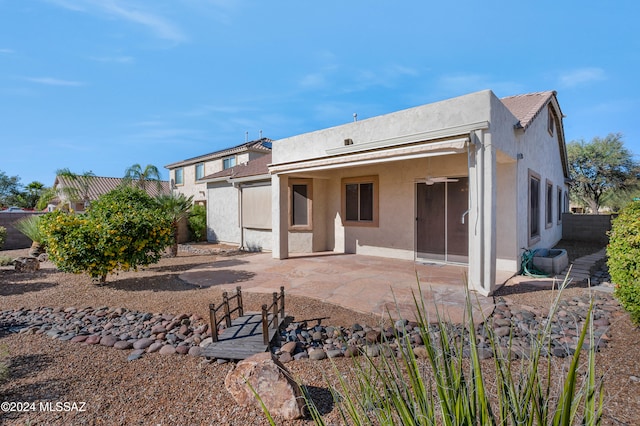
[
  {"x": 198, "y": 222},
  {"x": 122, "y": 230},
  {"x": 3, "y": 236},
  {"x": 5, "y": 260},
  {"x": 623, "y": 253}
]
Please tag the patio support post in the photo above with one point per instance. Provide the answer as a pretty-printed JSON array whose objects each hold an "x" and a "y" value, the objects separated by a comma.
[
  {"x": 489, "y": 220},
  {"x": 476, "y": 230},
  {"x": 279, "y": 221}
]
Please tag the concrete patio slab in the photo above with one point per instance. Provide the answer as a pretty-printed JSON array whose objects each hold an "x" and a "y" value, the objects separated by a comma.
[{"x": 361, "y": 283}]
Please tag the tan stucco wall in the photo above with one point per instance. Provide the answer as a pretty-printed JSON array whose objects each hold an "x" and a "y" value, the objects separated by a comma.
[
  {"x": 441, "y": 115},
  {"x": 395, "y": 235},
  {"x": 541, "y": 154}
]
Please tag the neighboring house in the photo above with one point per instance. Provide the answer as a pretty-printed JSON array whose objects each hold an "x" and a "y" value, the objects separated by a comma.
[
  {"x": 470, "y": 180},
  {"x": 89, "y": 188},
  {"x": 239, "y": 207},
  {"x": 186, "y": 176}
]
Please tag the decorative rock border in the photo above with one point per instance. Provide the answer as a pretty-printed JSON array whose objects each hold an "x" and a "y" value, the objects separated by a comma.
[
  {"x": 185, "y": 334},
  {"x": 514, "y": 330}
]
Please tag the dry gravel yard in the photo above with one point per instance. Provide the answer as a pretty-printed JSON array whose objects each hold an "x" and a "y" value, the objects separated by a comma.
[{"x": 168, "y": 390}]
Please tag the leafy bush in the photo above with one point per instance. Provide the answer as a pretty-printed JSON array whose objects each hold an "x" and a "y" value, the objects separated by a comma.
[
  {"x": 198, "y": 222},
  {"x": 3, "y": 236},
  {"x": 623, "y": 253},
  {"x": 5, "y": 260},
  {"x": 122, "y": 230}
]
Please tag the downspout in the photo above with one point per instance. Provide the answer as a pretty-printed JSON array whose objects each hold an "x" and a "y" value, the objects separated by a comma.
[{"x": 238, "y": 186}]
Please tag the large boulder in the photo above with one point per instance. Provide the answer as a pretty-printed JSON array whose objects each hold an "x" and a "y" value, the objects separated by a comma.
[
  {"x": 26, "y": 264},
  {"x": 271, "y": 380}
]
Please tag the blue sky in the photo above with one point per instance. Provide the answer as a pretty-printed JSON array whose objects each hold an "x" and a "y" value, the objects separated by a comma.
[{"x": 103, "y": 84}]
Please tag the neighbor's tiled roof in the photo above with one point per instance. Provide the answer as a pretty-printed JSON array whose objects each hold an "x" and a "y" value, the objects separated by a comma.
[
  {"x": 526, "y": 107},
  {"x": 101, "y": 185},
  {"x": 263, "y": 145},
  {"x": 256, "y": 167}
]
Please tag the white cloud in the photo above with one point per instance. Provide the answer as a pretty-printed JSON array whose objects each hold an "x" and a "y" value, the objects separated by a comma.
[
  {"x": 313, "y": 81},
  {"x": 113, "y": 59},
  {"x": 50, "y": 81},
  {"x": 581, "y": 77},
  {"x": 158, "y": 25}
]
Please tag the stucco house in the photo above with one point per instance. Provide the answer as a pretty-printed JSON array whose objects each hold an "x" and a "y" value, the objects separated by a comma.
[
  {"x": 186, "y": 175},
  {"x": 239, "y": 208},
  {"x": 470, "y": 180}
]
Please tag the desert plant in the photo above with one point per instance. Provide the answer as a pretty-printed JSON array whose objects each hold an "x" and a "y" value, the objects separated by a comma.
[
  {"x": 176, "y": 207},
  {"x": 122, "y": 230},
  {"x": 30, "y": 226},
  {"x": 198, "y": 222},
  {"x": 623, "y": 258},
  {"x": 452, "y": 390},
  {"x": 3, "y": 236}
]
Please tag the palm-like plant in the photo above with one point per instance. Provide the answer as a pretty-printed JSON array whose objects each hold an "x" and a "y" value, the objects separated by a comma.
[
  {"x": 30, "y": 226},
  {"x": 139, "y": 177},
  {"x": 79, "y": 187},
  {"x": 177, "y": 207}
]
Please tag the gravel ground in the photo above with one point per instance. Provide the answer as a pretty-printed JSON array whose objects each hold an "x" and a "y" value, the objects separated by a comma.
[{"x": 169, "y": 390}]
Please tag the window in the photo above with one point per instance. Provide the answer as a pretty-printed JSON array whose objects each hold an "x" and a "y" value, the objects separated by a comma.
[
  {"x": 549, "y": 206},
  {"x": 300, "y": 204},
  {"x": 360, "y": 201},
  {"x": 534, "y": 207},
  {"x": 179, "y": 176},
  {"x": 199, "y": 171},
  {"x": 559, "y": 206},
  {"x": 551, "y": 123},
  {"x": 256, "y": 206},
  {"x": 228, "y": 162}
]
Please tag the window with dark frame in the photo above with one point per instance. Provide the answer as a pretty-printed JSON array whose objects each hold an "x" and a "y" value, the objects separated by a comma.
[
  {"x": 551, "y": 121},
  {"x": 360, "y": 201},
  {"x": 299, "y": 208},
  {"x": 549, "y": 206},
  {"x": 559, "y": 206},
  {"x": 300, "y": 204},
  {"x": 534, "y": 207}
]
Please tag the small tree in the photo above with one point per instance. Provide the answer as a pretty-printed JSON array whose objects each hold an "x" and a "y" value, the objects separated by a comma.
[
  {"x": 599, "y": 169},
  {"x": 122, "y": 230},
  {"x": 177, "y": 207}
]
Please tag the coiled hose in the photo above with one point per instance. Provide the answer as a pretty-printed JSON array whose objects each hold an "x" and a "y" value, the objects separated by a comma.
[{"x": 528, "y": 268}]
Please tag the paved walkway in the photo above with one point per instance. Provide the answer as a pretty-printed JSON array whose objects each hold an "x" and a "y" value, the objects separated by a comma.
[
  {"x": 365, "y": 284},
  {"x": 370, "y": 284}
]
